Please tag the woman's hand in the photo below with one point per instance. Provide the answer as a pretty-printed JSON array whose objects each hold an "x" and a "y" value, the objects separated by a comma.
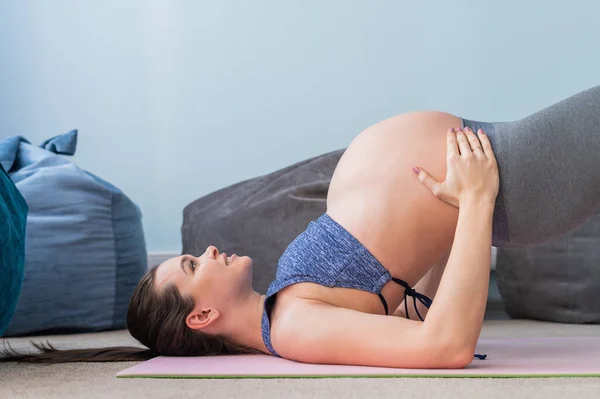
[{"x": 472, "y": 172}]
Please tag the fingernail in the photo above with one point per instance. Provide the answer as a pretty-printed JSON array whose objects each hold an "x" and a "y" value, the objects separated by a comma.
[
  {"x": 416, "y": 170},
  {"x": 452, "y": 130}
]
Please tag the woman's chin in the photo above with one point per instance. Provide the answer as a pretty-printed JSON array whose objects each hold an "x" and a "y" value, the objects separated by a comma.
[{"x": 244, "y": 261}]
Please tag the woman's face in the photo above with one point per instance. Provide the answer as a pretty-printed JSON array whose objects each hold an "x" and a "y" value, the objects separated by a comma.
[{"x": 212, "y": 279}]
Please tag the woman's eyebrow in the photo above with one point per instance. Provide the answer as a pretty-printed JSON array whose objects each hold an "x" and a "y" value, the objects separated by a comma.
[{"x": 182, "y": 264}]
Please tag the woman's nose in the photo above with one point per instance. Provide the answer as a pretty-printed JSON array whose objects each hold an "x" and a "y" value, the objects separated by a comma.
[{"x": 212, "y": 251}]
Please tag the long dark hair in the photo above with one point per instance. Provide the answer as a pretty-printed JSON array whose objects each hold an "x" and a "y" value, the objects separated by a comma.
[{"x": 155, "y": 319}]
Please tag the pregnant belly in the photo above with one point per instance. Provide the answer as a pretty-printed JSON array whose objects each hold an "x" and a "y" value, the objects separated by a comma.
[{"x": 375, "y": 195}]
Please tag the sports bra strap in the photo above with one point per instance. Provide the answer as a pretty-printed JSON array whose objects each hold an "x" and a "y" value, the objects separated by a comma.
[{"x": 408, "y": 291}]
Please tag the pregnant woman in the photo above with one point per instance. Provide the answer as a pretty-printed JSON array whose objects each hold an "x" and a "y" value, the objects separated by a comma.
[{"x": 387, "y": 239}]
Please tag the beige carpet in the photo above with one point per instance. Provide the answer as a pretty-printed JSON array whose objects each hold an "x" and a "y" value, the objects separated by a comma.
[{"x": 98, "y": 380}]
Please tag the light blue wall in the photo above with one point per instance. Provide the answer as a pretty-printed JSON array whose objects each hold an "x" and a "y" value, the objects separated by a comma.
[{"x": 175, "y": 99}]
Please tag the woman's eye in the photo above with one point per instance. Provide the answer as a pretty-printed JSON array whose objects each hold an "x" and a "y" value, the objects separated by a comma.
[{"x": 193, "y": 264}]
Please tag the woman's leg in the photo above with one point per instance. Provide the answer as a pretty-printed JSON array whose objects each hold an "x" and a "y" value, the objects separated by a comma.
[{"x": 549, "y": 165}]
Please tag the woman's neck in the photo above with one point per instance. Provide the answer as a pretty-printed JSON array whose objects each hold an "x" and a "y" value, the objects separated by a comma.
[{"x": 248, "y": 325}]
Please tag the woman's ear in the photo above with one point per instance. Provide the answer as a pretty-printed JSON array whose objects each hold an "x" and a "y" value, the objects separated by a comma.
[{"x": 199, "y": 319}]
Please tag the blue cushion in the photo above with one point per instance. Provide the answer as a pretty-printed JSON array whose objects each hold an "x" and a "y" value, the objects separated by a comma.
[
  {"x": 85, "y": 247},
  {"x": 13, "y": 219}
]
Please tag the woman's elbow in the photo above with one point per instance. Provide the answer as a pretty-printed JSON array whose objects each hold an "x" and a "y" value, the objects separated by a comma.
[
  {"x": 448, "y": 352},
  {"x": 452, "y": 356},
  {"x": 461, "y": 359},
  {"x": 458, "y": 357}
]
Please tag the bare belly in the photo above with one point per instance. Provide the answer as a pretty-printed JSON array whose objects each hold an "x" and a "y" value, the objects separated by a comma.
[{"x": 376, "y": 197}]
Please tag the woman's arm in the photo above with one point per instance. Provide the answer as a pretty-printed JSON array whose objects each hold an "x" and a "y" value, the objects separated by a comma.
[
  {"x": 428, "y": 286},
  {"x": 312, "y": 332},
  {"x": 472, "y": 183},
  {"x": 462, "y": 294}
]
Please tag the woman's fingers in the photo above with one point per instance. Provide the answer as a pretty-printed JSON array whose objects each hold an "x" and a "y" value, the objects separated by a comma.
[
  {"x": 487, "y": 146},
  {"x": 469, "y": 171},
  {"x": 463, "y": 143},
  {"x": 476, "y": 146},
  {"x": 452, "y": 148},
  {"x": 437, "y": 189},
  {"x": 427, "y": 180}
]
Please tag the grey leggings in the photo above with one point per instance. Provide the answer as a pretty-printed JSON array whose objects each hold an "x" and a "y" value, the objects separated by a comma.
[{"x": 549, "y": 165}]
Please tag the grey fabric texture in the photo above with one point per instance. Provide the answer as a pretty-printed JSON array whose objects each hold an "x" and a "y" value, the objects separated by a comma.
[
  {"x": 557, "y": 281},
  {"x": 85, "y": 247},
  {"x": 545, "y": 223},
  {"x": 549, "y": 170},
  {"x": 259, "y": 217}
]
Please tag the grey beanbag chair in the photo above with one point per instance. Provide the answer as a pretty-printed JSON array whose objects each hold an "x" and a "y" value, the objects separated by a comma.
[
  {"x": 557, "y": 281},
  {"x": 85, "y": 249},
  {"x": 261, "y": 216}
]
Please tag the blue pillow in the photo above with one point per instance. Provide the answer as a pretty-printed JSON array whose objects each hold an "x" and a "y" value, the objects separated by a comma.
[
  {"x": 13, "y": 219},
  {"x": 85, "y": 247}
]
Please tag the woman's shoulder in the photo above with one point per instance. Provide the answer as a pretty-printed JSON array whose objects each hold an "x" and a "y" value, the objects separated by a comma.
[{"x": 290, "y": 315}]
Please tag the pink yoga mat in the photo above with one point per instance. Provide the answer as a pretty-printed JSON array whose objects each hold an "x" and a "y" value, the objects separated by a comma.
[{"x": 512, "y": 357}]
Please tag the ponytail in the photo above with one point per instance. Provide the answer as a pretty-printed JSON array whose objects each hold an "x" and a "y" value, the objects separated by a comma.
[{"x": 47, "y": 353}]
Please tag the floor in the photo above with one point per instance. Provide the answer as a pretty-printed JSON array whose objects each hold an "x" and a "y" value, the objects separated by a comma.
[{"x": 99, "y": 381}]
